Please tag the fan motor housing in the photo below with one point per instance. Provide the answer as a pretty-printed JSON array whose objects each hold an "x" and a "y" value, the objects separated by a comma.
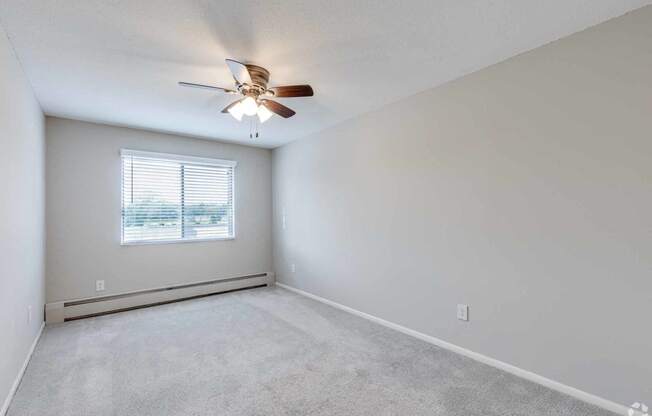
[{"x": 259, "y": 75}]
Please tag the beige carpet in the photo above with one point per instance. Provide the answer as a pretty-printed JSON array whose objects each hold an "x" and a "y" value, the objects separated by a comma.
[{"x": 263, "y": 352}]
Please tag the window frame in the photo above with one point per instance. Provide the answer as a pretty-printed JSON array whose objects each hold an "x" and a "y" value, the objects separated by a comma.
[{"x": 195, "y": 160}]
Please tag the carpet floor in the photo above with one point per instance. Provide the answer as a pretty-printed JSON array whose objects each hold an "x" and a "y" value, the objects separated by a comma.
[{"x": 264, "y": 352}]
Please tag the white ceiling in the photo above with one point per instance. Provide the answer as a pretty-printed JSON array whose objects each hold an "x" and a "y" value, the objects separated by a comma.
[{"x": 118, "y": 61}]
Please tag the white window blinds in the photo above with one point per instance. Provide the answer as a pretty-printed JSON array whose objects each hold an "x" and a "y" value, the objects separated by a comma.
[{"x": 175, "y": 198}]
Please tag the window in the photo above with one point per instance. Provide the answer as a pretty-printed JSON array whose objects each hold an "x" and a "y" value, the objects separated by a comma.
[{"x": 175, "y": 198}]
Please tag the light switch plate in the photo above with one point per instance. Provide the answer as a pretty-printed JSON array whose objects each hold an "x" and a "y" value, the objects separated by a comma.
[{"x": 463, "y": 312}]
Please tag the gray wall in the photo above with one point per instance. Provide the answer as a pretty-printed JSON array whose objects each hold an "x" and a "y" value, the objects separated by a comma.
[
  {"x": 523, "y": 190},
  {"x": 83, "y": 214},
  {"x": 22, "y": 208}
]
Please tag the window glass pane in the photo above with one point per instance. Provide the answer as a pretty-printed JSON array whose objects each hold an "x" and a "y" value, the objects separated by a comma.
[
  {"x": 207, "y": 196},
  {"x": 151, "y": 200}
]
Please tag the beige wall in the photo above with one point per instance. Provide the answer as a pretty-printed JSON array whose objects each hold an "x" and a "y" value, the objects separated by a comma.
[
  {"x": 22, "y": 208},
  {"x": 83, "y": 214},
  {"x": 523, "y": 190}
]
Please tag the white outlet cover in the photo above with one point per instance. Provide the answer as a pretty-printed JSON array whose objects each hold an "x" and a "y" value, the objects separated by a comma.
[
  {"x": 293, "y": 267},
  {"x": 99, "y": 285}
]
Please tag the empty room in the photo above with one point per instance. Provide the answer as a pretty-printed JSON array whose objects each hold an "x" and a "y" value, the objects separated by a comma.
[{"x": 347, "y": 207}]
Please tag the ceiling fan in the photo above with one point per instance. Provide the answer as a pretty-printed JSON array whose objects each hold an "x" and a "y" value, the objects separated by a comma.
[{"x": 251, "y": 82}]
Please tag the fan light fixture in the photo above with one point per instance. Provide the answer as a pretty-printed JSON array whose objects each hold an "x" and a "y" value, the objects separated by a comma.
[
  {"x": 263, "y": 113},
  {"x": 248, "y": 106}
]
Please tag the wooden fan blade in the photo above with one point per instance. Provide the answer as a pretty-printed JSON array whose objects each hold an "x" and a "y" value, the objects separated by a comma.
[
  {"x": 239, "y": 71},
  {"x": 226, "y": 109},
  {"x": 206, "y": 87},
  {"x": 293, "y": 91},
  {"x": 278, "y": 108}
]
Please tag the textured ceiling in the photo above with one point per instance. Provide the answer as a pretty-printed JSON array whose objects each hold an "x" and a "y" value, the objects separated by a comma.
[{"x": 118, "y": 61}]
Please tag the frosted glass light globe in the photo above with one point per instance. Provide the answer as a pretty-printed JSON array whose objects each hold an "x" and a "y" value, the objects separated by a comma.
[
  {"x": 236, "y": 111},
  {"x": 264, "y": 114},
  {"x": 249, "y": 106}
]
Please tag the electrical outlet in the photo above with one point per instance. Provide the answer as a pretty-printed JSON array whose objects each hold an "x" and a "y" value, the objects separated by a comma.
[
  {"x": 99, "y": 285},
  {"x": 463, "y": 312},
  {"x": 293, "y": 268}
]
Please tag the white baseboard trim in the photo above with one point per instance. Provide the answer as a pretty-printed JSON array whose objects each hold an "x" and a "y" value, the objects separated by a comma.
[
  {"x": 519, "y": 372},
  {"x": 19, "y": 376}
]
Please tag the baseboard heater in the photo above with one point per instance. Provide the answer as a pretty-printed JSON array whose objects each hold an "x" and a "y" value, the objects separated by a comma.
[{"x": 103, "y": 305}]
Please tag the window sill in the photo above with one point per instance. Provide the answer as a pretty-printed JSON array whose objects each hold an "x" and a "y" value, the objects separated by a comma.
[{"x": 177, "y": 241}]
